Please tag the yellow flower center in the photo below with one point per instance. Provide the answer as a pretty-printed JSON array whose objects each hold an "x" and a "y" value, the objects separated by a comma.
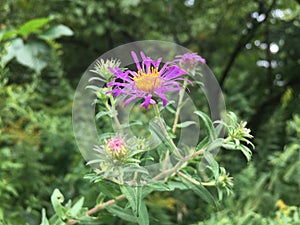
[{"x": 147, "y": 81}]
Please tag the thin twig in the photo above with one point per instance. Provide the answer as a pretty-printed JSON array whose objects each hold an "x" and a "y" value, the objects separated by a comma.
[
  {"x": 115, "y": 113},
  {"x": 99, "y": 207},
  {"x": 105, "y": 204},
  {"x": 179, "y": 106},
  {"x": 166, "y": 160}
]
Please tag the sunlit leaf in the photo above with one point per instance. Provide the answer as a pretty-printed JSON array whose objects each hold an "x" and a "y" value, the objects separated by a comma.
[
  {"x": 33, "y": 26},
  {"x": 45, "y": 221},
  {"x": 57, "y": 199},
  {"x": 33, "y": 55},
  {"x": 56, "y": 32},
  {"x": 76, "y": 207}
]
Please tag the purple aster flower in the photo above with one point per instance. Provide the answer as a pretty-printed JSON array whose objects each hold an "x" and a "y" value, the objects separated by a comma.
[
  {"x": 148, "y": 82},
  {"x": 189, "y": 61}
]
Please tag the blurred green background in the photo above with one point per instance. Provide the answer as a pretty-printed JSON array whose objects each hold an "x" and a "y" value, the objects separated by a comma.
[{"x": 251, "y": 46}]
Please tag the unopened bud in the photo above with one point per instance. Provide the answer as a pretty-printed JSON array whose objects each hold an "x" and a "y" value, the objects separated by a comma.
[{"x": 116, "y": 147}]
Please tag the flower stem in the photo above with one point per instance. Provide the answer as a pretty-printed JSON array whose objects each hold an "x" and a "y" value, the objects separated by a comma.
[
  {"x": 165, "y": 132},
  {"x": 179, "y": 106},
  {"x": 114, "y": 113},
  {"x": 192, "y": 180},
  {"x": 176, "y": 168},
  {"x": 99, "y": 207}
]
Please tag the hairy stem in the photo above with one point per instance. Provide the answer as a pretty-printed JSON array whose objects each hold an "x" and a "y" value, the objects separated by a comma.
[
  {"x": 165, "y": 132},
  {"x": 99, "y": 207},
  {"x": 179, "y": 106},
  {"x": 178, "y": 165},
  {"x": 105, "y": 204},
  {"x": 114, "y": 112},
  {"x": 190, "y": 179}
]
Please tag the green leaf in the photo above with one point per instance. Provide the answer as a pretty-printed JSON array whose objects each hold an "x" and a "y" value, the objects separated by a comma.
[
  {"x": 76, "y": 207},
  {"x": 156, "y": 186},
  {"x": 172, "y": 185},
  {"x": 33, "y": 55},
  {"x": 33, "y": 26},
  {"x": 133, "y": 195},
  {"x": 124, "y": 214},
  {"x": 109, "y": 188},
  {"x": 136, "y": 169},
  {"x": 232, "y": 117},
  {"x": 230, "y": 146},
  {"x": 134, "y": 123},
  {"x": 8, "y": 34},
  {"x": 213, "y": 165},
  {"x": 44, "y": 218},
  {"x": 201, "y": 191},
  {"x": 93, "y": 87},
  {"x": 203, "y": 143},
  {"x": 55, "y": 220},
  {"x": 11, "y": 49},
  {"x": 57, "y": 199},
  {"x": 100, "y": 198},
  {"x": 97, "y": 78},
  {"x": 101, "y": 114},
  {"x": 56, "y": 32},
  {"x": 245, "y": 150},
  {"x": 208, "y": 124},
  {"x": 215, "y": 144},
  {"x": 143, "y": 218},
  {"x": 185, "y": 124},
  {"x": 156, "y": 129}
]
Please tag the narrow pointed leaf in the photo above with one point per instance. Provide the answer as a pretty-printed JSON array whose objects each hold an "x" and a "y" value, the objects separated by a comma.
[{"x": 208, "y": 124}]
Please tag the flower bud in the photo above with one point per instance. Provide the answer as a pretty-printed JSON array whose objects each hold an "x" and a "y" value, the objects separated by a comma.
[
  {"x": 102, "y": 68},
  {"x": 116, "y": 147}
]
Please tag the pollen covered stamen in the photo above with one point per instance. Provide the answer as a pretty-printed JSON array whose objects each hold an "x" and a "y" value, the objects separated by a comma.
[{"x": 148, "y": 81}]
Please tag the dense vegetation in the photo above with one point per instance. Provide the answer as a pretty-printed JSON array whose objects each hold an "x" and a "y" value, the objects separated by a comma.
[{"x": 252, "y": 48}]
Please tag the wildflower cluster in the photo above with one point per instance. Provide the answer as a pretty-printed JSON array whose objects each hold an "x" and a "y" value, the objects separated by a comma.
[
  {"x": 124, "y": 158},
  {"x": 150, "y": 138}
]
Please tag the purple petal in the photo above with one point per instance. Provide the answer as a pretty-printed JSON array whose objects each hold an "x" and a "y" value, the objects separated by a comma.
[
  {"x": 148, "y": 100},
  {"x": 136, "y": 60}
]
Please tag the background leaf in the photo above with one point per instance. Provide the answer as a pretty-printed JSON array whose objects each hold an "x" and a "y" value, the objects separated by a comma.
[
  {"x": 56, "y": 32},
  {"x": 33, "y": 55},
  {"x": 33, "y": 26}
]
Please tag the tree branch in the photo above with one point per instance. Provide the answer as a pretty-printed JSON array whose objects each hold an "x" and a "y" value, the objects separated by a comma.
[
  {"x": 244, "y": 40},
  {"x": 266, "y": 109}
]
